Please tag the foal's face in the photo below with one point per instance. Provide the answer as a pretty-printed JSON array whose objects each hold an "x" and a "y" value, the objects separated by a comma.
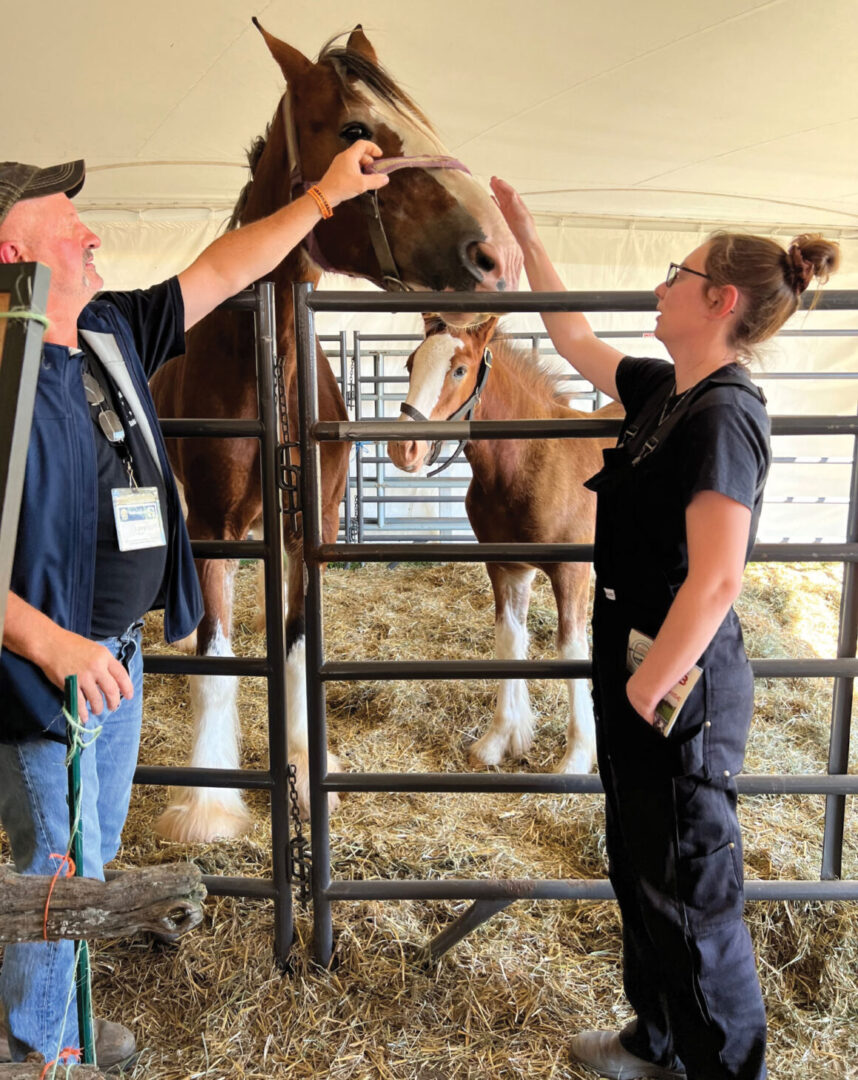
[
  {"x": 444, "y": 230},
  {"x": 443, "y": 374}
]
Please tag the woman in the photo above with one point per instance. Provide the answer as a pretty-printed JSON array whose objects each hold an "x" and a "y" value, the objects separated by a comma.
[{"x": 679, "y": 500}]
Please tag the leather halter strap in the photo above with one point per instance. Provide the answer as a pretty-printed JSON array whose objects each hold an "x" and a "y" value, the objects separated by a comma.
[
  {"x": 464, "y": 412},
  {"x": 390, "y": 274}
]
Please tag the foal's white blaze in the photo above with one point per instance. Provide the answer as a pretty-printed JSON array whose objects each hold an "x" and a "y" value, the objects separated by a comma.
[
  {"x": 580, "y": 754},
  {"x": 431, "y": 365},
  {"x": 197, "y": 814}
]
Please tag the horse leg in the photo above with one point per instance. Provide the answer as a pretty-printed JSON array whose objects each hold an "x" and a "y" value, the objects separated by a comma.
[
  {"x": 511, "y": 730},
  {"x": 296, "y": 683},
  {"x": 571, "y": 584},
  {"x": 201, "y": 814}
]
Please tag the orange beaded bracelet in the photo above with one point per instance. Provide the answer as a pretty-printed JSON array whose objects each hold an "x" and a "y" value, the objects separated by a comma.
[{"x": 319, "y": 199}]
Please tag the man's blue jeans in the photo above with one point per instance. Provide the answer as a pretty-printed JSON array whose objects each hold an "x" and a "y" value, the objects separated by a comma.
[{"x": 36, "y": 978}]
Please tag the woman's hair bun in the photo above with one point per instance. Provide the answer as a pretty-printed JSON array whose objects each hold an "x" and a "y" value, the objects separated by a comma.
[{"x": 811, "y": 255}]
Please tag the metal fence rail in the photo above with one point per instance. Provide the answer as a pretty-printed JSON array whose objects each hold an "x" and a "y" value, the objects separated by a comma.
[
  {"x": 491, "y": 896},
  {"x": 374, "y": 516},
  {"x": 258, "y": 301}
]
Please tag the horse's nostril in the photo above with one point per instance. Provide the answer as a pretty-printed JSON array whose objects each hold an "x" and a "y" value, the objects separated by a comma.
[{"x": 478, "y": 258}]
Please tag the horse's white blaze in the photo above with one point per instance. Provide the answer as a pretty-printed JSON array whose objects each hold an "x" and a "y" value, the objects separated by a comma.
[
  {"x": 419, "y": 140},
  {"x": 430, "y": 367},
  {"x": 580, "y": 752}
]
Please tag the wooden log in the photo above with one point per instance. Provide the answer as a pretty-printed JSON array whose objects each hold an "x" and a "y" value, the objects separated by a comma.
[
  {"x": 32, "y": 1070},
  {"x": 165, "y": 900}
]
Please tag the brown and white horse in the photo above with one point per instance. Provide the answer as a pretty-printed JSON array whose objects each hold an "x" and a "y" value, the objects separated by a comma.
[
  {"x": 522, "y": 491},
  {"x": 441, "y": 231}
]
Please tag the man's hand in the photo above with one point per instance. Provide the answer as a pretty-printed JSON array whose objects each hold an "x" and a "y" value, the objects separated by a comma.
[
  {"x": 101, "y": 678},
  {"x": 345, "y": 177},
  {"x": 60, "y": 653}
]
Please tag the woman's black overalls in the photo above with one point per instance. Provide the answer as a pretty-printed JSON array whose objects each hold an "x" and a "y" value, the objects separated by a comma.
[{"x": 675, "y": 854}]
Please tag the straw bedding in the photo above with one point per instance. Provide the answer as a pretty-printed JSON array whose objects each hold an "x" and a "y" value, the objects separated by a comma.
[{"x": 504, "y": 1003}]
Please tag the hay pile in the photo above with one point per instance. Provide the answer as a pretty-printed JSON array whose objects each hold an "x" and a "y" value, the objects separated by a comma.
[{"x": 504, "y": 1003}]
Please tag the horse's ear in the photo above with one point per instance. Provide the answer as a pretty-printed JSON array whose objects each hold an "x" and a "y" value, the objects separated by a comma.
[
  {"x": 484, "y": 332},
  {"x": 358, "y": 42},
  {"x": 433, "y": 323},
  {"x": 292, "y": 63}
]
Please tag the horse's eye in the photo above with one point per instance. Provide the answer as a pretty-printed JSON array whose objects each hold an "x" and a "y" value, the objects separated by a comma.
[
  {"x": 352, "y": 132},
  {"x": 460, "y": 372}
]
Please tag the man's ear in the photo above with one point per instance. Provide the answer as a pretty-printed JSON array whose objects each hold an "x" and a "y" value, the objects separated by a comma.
[
  {"x": 723, "y": 300},
  {"x": 10, "y": 252}
]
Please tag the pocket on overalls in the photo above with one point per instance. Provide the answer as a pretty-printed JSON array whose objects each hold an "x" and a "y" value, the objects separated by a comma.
[
  {"x": 729, "y": 708},
  {"x": 690, "y": 735},
  {"x": 710, "y": 886}
]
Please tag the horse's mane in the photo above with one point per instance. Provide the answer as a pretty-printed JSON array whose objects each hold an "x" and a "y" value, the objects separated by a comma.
[
  {"x": 349, "y": 62},
  {"x": 253, "y": 155},
  {"x": 532, "y": 371},
  {"x": 346, "y": 62}
]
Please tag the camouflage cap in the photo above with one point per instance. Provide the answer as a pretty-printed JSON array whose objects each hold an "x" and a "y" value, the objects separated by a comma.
[{"x": 19, "y": 181}]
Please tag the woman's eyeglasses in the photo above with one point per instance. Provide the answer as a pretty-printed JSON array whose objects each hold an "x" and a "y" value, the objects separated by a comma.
[{"x": 673, "y": 271}]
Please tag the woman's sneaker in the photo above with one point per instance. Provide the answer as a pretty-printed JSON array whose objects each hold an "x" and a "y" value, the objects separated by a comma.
[{"x": 603, "y": 1052}]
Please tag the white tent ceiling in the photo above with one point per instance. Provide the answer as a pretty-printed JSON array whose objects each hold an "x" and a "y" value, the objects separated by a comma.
[{"x": 744, "y": 110}]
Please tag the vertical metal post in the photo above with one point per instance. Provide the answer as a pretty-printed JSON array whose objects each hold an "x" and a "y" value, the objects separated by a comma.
[
  {"x": 344, "y": 390},
  {"x": 358, "y": 448},
  {"x": 841, "y": 705},
  {"x": 379, "y": 410},
  {"x": 81, "y": 948},
  {"x": 311, "y": 504},
  {"x": 278, "y": 751}
]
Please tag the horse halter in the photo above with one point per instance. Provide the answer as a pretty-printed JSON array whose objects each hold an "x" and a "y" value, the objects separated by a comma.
[
  {"x": 368, "y": 202},
  {"x": 464, "y": 412}
]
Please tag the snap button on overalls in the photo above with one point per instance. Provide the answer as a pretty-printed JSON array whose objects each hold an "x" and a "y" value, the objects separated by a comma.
[{"x": 673, "y": 841}]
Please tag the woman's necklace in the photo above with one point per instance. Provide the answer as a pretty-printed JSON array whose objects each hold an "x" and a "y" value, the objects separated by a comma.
[{"x": 671, "y": 403}]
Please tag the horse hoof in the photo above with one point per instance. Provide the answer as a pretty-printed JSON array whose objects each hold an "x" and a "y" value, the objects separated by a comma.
[
  {"x": 486, "y": 752},
  {"x": 192, "y": 819},
  {"x": 579, "y": 762}
]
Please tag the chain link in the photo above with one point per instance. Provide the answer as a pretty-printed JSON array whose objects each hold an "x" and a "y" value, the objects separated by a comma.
[
  {"x": 288, "y": 474},
  {"x": 300, "y": 859}
]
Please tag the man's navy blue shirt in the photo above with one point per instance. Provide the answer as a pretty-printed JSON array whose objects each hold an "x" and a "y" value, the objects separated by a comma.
[{"x": 54, "y": 561}]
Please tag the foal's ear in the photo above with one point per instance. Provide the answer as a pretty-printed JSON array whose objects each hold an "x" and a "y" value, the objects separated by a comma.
[
  {"x": 433, "y": 324},
  {"x": 358, "y": 42},
  {"x": 484, "y": 332},
  {"x": 292, "y": 63}
]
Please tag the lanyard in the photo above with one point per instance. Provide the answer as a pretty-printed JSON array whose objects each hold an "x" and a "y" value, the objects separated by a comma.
[{"x": 104, "y": 417}]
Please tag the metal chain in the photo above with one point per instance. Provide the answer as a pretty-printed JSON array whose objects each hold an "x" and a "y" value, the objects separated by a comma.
[
  {"x": 300, "y": 859},
  {"x": 288, "y": 475}
]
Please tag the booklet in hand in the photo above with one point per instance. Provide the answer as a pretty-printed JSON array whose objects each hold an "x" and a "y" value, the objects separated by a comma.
[{"x": 667, "y": 710}]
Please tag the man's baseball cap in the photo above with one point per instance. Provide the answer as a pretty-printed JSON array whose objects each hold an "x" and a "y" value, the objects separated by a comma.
[{"x": 19, "y": 181}]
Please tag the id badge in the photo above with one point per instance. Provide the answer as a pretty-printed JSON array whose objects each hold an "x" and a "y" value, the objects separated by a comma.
[{"x": 137, "y": 512}]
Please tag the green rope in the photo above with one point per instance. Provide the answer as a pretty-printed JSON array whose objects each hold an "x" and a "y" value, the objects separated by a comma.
[{"x": 22, "y": 313}]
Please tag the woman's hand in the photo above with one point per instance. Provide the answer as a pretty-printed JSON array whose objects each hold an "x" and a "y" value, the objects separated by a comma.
[
  {"x": 345, "y": 177},
  {"x": 640, "y": 698},
  {"x": 516, "y": 214}
]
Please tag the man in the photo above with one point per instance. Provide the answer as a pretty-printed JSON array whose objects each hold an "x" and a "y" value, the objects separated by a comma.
[{"x": 101, "y": 540}]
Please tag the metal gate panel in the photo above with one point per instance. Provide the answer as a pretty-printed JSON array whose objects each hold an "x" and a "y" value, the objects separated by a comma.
[{"x": 490, "y": 896}]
